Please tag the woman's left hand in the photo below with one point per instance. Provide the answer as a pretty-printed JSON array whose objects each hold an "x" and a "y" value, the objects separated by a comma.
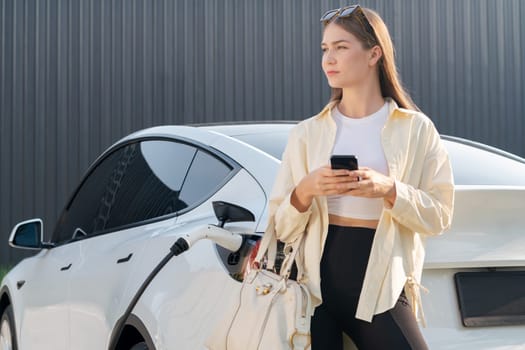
[{"x": 372, "y": 184}]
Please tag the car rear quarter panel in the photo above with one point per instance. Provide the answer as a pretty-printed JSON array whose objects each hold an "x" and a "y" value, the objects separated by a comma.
[{"x": 182, "y": 303}]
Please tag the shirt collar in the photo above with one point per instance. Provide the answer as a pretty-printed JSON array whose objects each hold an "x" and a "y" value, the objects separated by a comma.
[{"x": 393, "y": 109}]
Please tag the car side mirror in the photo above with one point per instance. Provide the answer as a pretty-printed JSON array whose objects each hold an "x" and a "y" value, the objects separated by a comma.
[{"x": 28, "y": 235}]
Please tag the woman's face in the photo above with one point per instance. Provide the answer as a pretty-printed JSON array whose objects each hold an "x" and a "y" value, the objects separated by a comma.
[{"x": 345, "y": 62}]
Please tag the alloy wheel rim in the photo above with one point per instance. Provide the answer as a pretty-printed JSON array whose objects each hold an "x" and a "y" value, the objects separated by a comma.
[{"x": 5, "y": 336}]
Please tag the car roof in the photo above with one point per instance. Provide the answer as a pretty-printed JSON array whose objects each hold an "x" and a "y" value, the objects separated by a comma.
[
  {"x": 473, "y": 163},
  {"x": 235, "y": 129}
]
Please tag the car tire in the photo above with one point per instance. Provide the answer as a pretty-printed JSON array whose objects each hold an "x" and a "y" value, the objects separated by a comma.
[
  {"x": 7, "y": 330},
  {"x": 139, "y": 346}
]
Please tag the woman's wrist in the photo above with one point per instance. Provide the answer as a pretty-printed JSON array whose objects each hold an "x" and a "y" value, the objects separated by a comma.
[{"x": 300, "y": 200}]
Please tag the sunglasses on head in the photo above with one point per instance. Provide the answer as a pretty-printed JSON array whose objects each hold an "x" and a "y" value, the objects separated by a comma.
[{"x": 347, "y": 11}]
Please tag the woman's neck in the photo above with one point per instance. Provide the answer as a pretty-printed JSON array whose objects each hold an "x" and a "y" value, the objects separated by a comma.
[{"x": 361, "y": 102}]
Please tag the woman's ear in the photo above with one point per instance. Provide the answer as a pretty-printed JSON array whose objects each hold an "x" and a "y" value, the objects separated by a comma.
[{"x": 375, "y": 54}]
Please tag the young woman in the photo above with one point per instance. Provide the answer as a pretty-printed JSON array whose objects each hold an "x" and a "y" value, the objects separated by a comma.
[{"x": 365, "y": 229}]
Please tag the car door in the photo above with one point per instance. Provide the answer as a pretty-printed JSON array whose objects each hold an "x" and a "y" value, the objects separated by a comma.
[
  {"x": 44, "y": 323},
  {"x": 141, "y": 198}
]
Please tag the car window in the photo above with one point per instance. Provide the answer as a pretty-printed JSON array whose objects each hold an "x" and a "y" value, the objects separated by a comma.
[
  {"x": 151, "y": 186},
  {"x": 137, "y": 182},
  {"x": 207, "y": 173}
]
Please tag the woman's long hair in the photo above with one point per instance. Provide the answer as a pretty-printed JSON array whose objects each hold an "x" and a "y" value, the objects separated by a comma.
[{"x": 389, "y": 79}]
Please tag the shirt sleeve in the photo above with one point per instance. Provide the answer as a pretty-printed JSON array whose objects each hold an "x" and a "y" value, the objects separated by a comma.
[
  {"x": 289, "y": 223},
  {"x": 428, "y": 208}
]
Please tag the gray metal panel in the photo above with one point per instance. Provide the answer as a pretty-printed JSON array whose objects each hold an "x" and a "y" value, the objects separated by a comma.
[{"x": 75, "y": 76}]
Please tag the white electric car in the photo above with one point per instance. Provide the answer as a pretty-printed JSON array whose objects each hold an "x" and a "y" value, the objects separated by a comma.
[{"x": 162, "y": 184}]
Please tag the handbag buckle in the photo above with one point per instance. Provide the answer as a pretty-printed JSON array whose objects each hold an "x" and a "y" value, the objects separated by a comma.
[
  {"x": 295, "y": 334},
  {"x": 264, "y": 289}
]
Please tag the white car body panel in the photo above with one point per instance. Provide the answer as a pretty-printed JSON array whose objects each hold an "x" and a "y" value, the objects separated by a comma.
[
  {"x": 95, "y": 296},
  {"x": 44, "y": 314},
  {"x": 194, "y": 290},
  {"x": 484, "y": 216},
  {"x": 192, "y": 303}
]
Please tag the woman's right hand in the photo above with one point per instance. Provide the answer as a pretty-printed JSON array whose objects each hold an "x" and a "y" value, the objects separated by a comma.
[{"x": 323, "y": 181}]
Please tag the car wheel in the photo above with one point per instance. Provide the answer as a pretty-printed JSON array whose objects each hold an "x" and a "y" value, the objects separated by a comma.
[
  {"x": 139, "y": 346},
  {"x": 7, "y": 330}
]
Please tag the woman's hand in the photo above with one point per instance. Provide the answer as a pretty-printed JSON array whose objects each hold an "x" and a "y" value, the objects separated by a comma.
[
  {"x": 372, "y": 184},
  {"x": 323, "y": 181}
]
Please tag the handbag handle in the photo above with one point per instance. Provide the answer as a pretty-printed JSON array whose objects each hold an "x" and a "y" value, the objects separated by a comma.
[{"x": 269, "y": 244}]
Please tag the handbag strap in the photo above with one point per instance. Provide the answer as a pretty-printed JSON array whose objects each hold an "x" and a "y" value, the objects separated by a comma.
[
  {"x": 290, "y": 257},
  {"x": 266, "y": 241},
  {"x": 269, "y": 244},
  {"x": 301, "y": 338}
]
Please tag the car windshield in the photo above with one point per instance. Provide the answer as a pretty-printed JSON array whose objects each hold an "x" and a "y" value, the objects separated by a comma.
[{"x": 473, "y": 164}]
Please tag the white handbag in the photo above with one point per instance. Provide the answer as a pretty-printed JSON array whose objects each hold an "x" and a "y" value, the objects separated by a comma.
[{"x": 273, "y": 312}]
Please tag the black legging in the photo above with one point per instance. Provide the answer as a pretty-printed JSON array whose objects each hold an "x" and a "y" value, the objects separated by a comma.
[{"x": 343, "y": 267}]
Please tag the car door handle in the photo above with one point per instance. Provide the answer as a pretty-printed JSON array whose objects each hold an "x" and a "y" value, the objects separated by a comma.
[
  {"x": 126, "y": 259},
  {"x": 65, "y": 268}
]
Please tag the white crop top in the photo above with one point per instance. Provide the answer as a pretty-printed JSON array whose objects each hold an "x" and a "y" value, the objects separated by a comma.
[{"x": 362, "y": 138}]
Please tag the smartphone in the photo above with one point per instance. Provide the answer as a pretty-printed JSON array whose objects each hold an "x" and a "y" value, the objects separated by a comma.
[{"x": 348, "y": 162}]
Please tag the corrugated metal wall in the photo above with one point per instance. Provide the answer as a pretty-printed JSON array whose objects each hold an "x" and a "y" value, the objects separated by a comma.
[{"x": 75, "y": 76}]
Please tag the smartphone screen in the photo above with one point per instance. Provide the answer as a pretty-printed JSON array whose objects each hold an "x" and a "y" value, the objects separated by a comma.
[{"x": 348, "y": 162}]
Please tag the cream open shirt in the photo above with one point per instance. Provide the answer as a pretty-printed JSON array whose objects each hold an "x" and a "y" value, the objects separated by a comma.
[{"x": 418, "y": 162}]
